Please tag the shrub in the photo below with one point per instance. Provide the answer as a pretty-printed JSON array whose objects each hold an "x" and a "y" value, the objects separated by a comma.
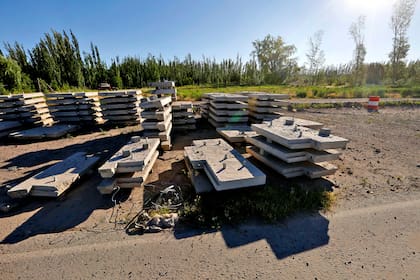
[{"x": 301, "y": 94}]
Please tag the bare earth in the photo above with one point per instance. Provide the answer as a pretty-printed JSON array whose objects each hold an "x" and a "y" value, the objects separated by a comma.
[{"x": 373, "y": 231}]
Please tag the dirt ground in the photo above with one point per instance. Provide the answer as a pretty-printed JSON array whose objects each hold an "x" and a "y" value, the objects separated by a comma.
[{"x": 380, "y": 165}]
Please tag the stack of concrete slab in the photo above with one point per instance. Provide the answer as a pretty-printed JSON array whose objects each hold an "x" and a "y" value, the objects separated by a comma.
[
  {"x": 214, "y": 165},
  {"x": 294, "y": 150},
  {"x": 130, "y": 166},
  {"x": 238, "y": 134},
  {"x": 55, "y": 180},
  {"x": 157, "y": 119},
  {"x": 75, "y": 108},
  {"x": 23, "y": 109},
  {"x": 121, "y": 107},
  {"x": 266, "y": 106},
  {"x": 205, "y": 104},
  {"x": 183, "y": 116},
  {"x": 164, "y": 88},
  {"x": 228, "y": 109}
]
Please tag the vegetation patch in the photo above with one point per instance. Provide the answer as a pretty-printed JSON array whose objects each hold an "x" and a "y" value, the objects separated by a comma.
[{"x": 270, "y": 204}]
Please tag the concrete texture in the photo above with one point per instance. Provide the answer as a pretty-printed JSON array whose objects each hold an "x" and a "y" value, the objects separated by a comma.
[
  {"x": 290, "y": 156},
  {"x": 121, "y": 107},
  {"x": 128, "y": 180},
  {"x": 225, "y": 167},
  {"x": 132, "y": 157},
  {"x": 164, "y": 84},
  {"x": 236, "y": 134},
  {"x": 295, "y": 137},
  {"x": 157, "y": 103},
  {"x": 44, "y": 132},
  {"x": 290, "y": 170},
  {"x": 53, "y": 181}
]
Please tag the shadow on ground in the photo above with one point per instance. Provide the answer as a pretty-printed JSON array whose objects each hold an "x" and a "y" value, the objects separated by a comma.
[
  {"x": 72, "y": 208},
  {"x": 293, "y": 236}
]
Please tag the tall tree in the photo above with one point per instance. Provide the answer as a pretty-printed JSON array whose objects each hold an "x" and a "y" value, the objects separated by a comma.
[
  {"x": 275, "y": 59},
  {"x": 356, "y": 32},
  {"x": 400, "y": 21},
  {"x": 316, "y": 56}
]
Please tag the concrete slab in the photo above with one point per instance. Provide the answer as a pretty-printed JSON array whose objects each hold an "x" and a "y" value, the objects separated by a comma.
[
  {"x": 296, "y": 137},
  {"x": 198, "y": 178},
  {"x": 225, "y": 112},
  {"x": 233, "y": 105},
  {"x": 157, "y": 114},
  {"x": 291, "y": 170},
  {"x": 228, "y": 119},
  {"x": 164, "y": 91},
  {"x": 158, "y": 103},
  {"x": 284, "y": 120},
  {"x": 46, "y": 132},
  {"x": 157, "y": 125},
  {"x": 290, "y": 156},
  {"x": 132, "y": 157},
  {"x": 164, "y": 84},
  {"x": 226, "y": 97},
  {"x": 236, "y": 134},
  {"x": 225, "y": 167},
  {"x": 53, "y": 181}
]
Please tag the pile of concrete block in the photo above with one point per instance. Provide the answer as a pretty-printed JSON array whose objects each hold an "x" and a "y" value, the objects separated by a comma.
[
  {"x": 157, "y": 119},
  {"x": 214, "y": 165},
  {"x": 56, "y": 179},
  {"x": 228, "y": 109},
  {"x": 121, "y": 107},
  {"x": 266, "y": 106},
  {"x": 164, "y": 88},
  {"x": 130, "y": 166},
  {"x": 183, "y": 116},
  {"x": 293, "y": 150},
  {"x": 75, "y": 108},
  {"x": 28, "y": 109},
  {"x": 205, "y": 104}
]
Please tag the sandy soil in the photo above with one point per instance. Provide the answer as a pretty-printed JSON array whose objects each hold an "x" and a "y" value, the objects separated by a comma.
[{"x": 380, "y": 166}]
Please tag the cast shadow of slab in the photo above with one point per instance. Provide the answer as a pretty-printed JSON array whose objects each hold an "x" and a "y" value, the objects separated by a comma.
[
  {"x": 295, "y": 235},
  {"x": 56, "y": 216}
]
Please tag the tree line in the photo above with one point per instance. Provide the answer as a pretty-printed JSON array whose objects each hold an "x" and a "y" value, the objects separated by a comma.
[{"x": 57, "y": 63}]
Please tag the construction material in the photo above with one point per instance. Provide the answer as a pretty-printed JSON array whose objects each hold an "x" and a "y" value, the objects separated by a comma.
[
  {"x": 205, "y": 104},
  {"x": 130, "y": 166},
  {"x": 164, "y": 88},
  {"x": 265, "y": 106},
  {"x": 236, "y": 134},
  {"x": 157, "y": 119},
  {"x": 225, "y": 167},
  {"x": 55, "y": 180},
  {"x": 82, "y": 108},
  {"x": 227, "y": 109},
  {"x": 183, "y": 116},
  {"x": 44, "y": 132},
  {"x": 293, "y": 150},
  {"x": 121, "y": 107}
]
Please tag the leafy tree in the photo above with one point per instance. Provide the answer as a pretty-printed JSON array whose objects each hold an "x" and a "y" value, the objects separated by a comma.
[
  {"x": 356, "y": 32},
  {"x": 400, "y": 21},
  {"x": 10, "y": 75},
  {"x": 275, "y": 59}
]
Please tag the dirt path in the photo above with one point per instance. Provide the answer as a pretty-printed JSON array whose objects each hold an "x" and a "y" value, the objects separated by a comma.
[{"x": 370, "y": 243}]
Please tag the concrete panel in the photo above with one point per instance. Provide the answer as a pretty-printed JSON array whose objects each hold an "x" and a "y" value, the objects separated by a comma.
[
  {"x": 47, "y": 132},
  {"x": 225, "y": 167},
  {"x": 236, "y": 134},
  {"x": 291, "y": 170},
  {"x": 295, "y": 137},
  {"x": 158, "y": 103},
  {"x": 56, "y": 179},
  {"x": 132, "y": 157}
]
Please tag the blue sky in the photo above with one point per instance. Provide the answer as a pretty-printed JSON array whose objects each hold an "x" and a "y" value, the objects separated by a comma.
[{"x": 213, "y": 28}]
